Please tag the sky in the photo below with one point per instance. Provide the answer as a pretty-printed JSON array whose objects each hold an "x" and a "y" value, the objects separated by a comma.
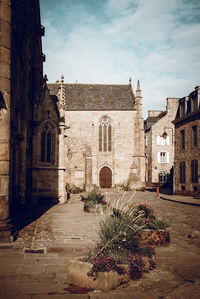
[{"x": 110, "y": 41}]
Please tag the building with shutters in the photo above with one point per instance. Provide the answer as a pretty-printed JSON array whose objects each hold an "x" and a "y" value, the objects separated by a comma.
[
  {"x": 159, "y": 147},
  {"x": 104, "y": 145},
  {"x": 187, "y": 144}
]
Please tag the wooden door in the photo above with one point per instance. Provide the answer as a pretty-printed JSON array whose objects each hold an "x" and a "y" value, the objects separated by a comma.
[{"x": 105, "y": 177}]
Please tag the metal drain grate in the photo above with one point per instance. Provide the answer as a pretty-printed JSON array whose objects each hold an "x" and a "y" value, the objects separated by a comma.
[{"x": 35, "y": 251}]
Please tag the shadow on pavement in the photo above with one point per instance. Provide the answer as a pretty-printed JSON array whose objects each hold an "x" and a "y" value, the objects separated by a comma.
[
  {"x": 24, "y": 215},
  {"x": 162, "y": 190}
]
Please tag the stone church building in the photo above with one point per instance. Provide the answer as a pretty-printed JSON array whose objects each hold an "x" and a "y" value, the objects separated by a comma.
[
  {"x": 31, "y": 127},
  {"x": 104, "y": 145}
]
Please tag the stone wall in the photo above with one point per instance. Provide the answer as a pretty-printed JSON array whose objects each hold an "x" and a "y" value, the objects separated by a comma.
[
  {"x": 45, "y": 173},
  {"x": 83, "y": 155},
  {"x": 155, "y": 143},
  {"x": 185, "y": 120},
  {"x": 188, "y": 154},
  {"x": 21, "y": 79},
  {"x": 5, "y": 88}
]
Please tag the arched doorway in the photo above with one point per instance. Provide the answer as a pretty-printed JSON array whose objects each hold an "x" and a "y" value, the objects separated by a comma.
[{"x": 105, "y": 177}]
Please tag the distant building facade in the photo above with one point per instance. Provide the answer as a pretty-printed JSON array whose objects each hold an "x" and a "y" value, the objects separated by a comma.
[
  {"x": 187, "y": 141},
  {"x": 105, "y": 141},
  {"x": 159, "y": 148}
]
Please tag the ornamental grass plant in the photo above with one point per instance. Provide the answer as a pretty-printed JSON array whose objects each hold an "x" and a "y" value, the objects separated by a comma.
[{"x": 119, "y": 243}]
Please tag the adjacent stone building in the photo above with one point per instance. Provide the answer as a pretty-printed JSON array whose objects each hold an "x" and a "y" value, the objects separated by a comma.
[
  {"x": 159, "y": 147},
  {"x": 29, "y": 118},
  {"x": 105, "y": 140},
  {"x": 187, "y": 144}
]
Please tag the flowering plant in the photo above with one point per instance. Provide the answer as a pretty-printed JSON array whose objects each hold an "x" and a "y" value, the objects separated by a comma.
[
  {"x": 104, "y": 263},
  {"x": 136, "y": 266}
]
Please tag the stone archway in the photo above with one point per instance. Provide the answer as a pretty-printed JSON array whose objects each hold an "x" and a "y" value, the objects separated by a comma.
[{"x": 105, "y": 177}]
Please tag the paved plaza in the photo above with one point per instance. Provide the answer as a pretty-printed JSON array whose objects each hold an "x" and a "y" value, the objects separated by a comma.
[{"x": 35, "y": 267}]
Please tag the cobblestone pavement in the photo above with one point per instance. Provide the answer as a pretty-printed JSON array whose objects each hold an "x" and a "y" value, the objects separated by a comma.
[{"x": 65, "y": 231}]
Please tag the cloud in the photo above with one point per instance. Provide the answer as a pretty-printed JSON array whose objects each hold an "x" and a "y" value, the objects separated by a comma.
[{"x": 155, "y": 41}]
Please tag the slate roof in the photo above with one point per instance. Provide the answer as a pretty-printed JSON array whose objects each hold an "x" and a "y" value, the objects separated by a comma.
[
  {"x": 95, "y": 96},
  {"x": 151, "y": 120}
]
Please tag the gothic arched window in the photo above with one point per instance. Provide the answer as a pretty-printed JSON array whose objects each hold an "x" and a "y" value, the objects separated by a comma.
[
  {"x": 48, "y": 144},
  {"x": 105, "y": 135}
]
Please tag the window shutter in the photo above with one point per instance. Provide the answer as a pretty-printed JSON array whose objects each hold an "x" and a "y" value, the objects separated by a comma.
[
  {"x": 167, "y": 140},
  {"x": 158, "y": 155},
  {"x": 167, "y": 159},
  {"x": 158, "y": 140}
]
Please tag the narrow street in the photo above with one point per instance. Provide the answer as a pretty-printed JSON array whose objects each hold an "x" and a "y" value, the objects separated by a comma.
[{"x": 66, "y": 231}]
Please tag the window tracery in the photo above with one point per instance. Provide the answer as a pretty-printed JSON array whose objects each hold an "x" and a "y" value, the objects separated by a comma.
[
  {"x": 105, "y": 135},
  {"x": 48, "y": 144}
]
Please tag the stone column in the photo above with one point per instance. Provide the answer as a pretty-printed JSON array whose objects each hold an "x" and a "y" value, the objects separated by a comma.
[
  {"x": 5, "y": 140},
  {"x": 61, "y": 164},
  {"x": 137, "y": 176},
  {"x": 88, "y": 173}
]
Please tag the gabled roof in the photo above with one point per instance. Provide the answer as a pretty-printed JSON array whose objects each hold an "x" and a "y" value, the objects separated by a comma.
[
  {"x": 151, "y": 120},
  {"x": 95, "y": 96}
]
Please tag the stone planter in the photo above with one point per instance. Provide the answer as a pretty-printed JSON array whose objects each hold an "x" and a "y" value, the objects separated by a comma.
[
  {"x": 154, "y": 237},
  {"x": 105, "y": 281},
  {"x": 95, "y": 209}
]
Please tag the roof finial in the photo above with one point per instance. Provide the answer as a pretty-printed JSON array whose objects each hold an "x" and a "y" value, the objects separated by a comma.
[
  {"x": 138, "y": 90},
  {"x": 138, "y": 85},
  {"x": 61, "y": 94},
  {"x": 130, "y": 81}
]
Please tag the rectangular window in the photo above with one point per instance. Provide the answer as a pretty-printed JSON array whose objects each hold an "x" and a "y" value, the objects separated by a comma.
[
  {"x": 163, "y": 177},
  {"x": 194, "y": 136},
  {"x": 163, "y": 157},
  {"x": 194, "y": 171},
  {"x": 182, "y": 141},
  {"x": 182, "y": 172}
]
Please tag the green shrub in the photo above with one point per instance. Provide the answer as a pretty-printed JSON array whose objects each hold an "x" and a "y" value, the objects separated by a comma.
[
  {"x": 73, "y": 189},
  {"x": 94, "y": 196},
  {"x": 147, "y": 210},
  {"x": 149, "y": 220},
  {"x": 157, "y": 223}
]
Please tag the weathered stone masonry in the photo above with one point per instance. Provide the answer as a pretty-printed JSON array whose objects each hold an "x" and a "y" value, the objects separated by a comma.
[
  {"x": 21, "y": 83},
  {"x": 120, "y": 157}
]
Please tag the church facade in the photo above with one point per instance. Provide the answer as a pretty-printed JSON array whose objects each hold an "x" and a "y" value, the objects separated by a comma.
[{"x": 104, "y": 145}]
